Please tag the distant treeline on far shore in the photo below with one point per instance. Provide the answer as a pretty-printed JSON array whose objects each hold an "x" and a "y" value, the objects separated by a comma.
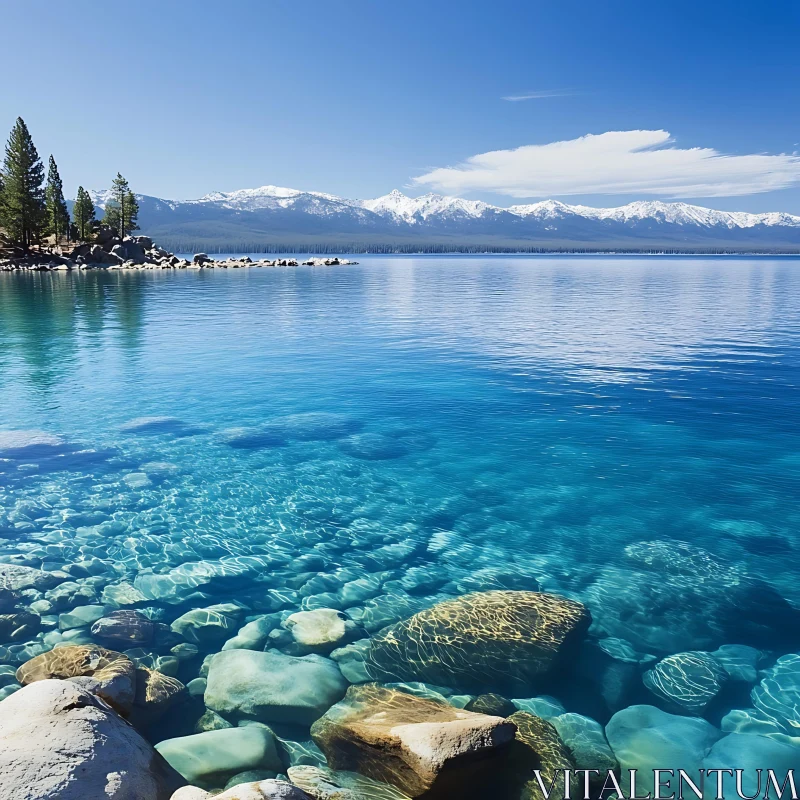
[{"x": 334, "y": 248}]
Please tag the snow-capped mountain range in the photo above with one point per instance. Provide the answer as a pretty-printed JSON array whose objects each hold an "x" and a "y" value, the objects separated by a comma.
[{"x": 277, "y": 215}]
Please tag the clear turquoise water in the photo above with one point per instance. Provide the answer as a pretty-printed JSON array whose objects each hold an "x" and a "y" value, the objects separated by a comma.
[{"x": 519, "y": 421}]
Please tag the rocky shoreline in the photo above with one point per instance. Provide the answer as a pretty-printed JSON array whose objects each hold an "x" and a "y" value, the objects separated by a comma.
[{"x": 109, "y": 252}]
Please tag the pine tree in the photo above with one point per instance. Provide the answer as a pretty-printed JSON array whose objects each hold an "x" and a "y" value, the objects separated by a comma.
[
  {"x": 122, "y": 210},
  {"x": 83, "y": 214},
  {"x": 56, "y": 206},
  {"x": 23, "y": 212}
]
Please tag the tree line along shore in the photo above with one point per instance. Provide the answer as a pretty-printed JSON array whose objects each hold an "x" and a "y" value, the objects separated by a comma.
[{"x": 37, "y": 231}]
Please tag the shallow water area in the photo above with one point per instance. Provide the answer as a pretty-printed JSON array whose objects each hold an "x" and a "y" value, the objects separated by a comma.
[{"x": 380, "y": 438}]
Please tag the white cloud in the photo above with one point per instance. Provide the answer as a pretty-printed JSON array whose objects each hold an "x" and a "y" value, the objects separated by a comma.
[
  {"x": 515, "y": 98},
  {"x": 617, "y": 162}
]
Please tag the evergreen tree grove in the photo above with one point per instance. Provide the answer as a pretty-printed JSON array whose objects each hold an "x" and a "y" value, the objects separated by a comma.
[
  {"x": 122, "y": 210},
  {"x": 83, "y": 214},
  {"x": 22, "y": 208},
  {"x": 56, "y": 206}
]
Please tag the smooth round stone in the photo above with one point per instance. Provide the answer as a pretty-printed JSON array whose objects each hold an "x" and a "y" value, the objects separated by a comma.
[
  {"x": 185, "y": 651},
  {"x": 210, "y": 759},
  {"x": 777, "y": 696},
  {"x": 124, "y": 627},
  {"x": 646, "y": 738},
  {"x": 749, "y": 753},
  {"x": 352, "y": 661},
  {"x": 253, "y": 636},
  {"x": 197, "y": 687},
  {"x": 586, "y": 741},
  {"x": 544, "y": 707},
  {"x": 739, "y": 661},
  {"x": 137, "y": 480},
  {"x": 208, "y": 625},
  {"x": 494, "y": 705},
  {"x": 122, "y": 594},
  {"x": 688, "y": 680},
  {"x": 211, "y": 721},
  {"x": 80, "y": 617},
  {"x": 319, "y": 629},
  {"x": 272, "y": 687}
]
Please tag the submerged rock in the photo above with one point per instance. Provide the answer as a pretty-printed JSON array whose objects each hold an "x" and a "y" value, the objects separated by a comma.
[
  {"x": 777, "y": 696},
  {"x": 106, "y": 673},
  {"x": 373, "y": 447},
  {"x": 272, "y": 687},
  {"x": 315, "y": 426},
  {"x": 125, "y": 627},
  {"x": 321, "y": 630},
  {"x": 482, "y": 639},
  {"x": 19, "y": 627},
  {"x": 14, "y": 577},
  {"x": 739, "y": 661},
  {"x": 210, "y": 759},
  {"x": 538, "y": 746},
  {"x": 30, "y": 444},
  {"x": 156, "y": 693},
  {"x": 209, "y": 625},
  {"x": 653, "y": 602},
  {"x": 751, "y": 753},
  {"x": 493, "y": 704},
  {"x": 646, "y": 738},
  {"x": 586, "y": 741},
  {"x": 320, "y": 783},
  {"x": 59, "y": 741},
  {"x": 687, "y": 680},
  {"x": 419, "y": 746}
]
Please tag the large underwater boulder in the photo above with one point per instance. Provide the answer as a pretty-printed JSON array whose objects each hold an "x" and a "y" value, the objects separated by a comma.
[
  {"x": 419, "y": 746},
  {"x": 652, "y": 599},
  {"x": 496, "y": 639},
  {"x": 59, "y": 741}
]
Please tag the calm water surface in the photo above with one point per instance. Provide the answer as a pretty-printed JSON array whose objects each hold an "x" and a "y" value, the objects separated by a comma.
[{"x": 521, "y": 422}]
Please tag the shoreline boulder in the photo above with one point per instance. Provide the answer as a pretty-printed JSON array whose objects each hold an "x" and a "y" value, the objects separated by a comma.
[{"x": 58, "y": 740}]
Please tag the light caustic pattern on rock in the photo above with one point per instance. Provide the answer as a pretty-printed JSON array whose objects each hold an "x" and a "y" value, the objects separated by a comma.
[{"x": 489, "y": 638}]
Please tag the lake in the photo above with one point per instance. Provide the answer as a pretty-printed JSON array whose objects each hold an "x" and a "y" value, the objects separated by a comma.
[{"x": 379, "y": 438}]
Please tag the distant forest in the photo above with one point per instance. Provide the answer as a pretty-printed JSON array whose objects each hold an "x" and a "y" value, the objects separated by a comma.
[{"x": 338, "y": 248}]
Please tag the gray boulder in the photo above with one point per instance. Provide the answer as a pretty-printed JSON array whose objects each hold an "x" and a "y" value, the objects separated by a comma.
[
  {"x": 129, "y": 250},
  {"x": 272, "y": 687},
  {"x": 58, "y": 740}
]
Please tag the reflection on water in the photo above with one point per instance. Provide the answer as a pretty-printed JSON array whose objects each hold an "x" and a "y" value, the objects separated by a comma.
[{"x": 376, "y": 439}]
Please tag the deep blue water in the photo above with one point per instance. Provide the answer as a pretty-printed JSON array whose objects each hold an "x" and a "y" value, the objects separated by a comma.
[{"x": 524, "y": 420}]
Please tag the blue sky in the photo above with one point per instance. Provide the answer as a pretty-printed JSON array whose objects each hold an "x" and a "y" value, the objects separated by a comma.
[{"x": 356, "y": 97}]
